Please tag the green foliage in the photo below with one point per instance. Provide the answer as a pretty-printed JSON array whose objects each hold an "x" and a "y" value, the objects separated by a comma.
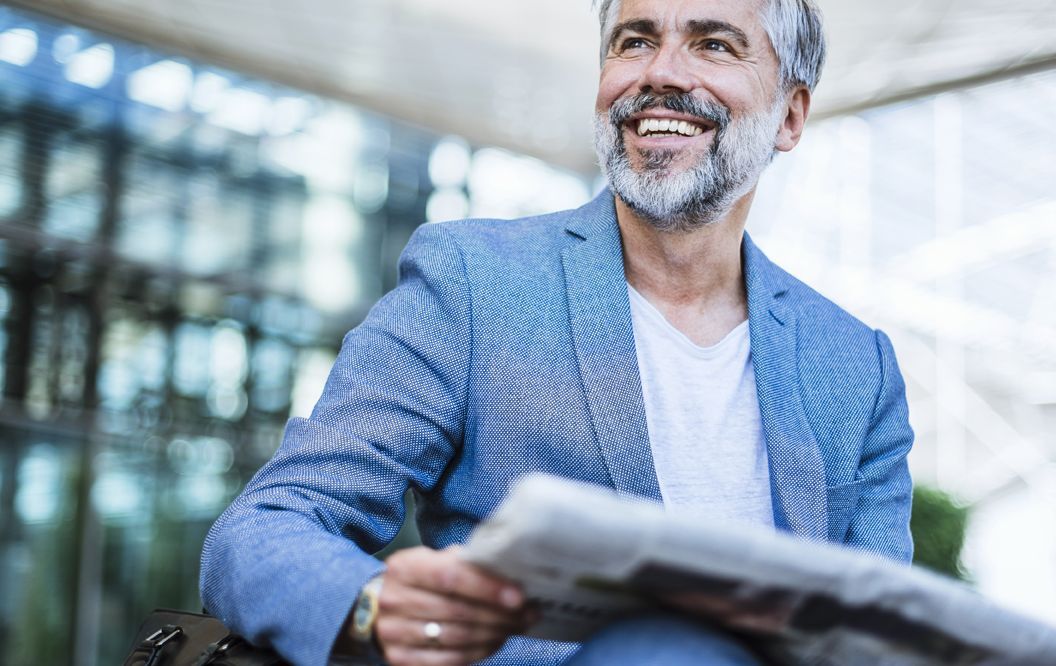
[{"x": 938, "y": 525}]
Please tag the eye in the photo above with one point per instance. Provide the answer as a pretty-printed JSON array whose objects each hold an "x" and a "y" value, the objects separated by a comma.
[
  {"x": 716, "y": 45},
  {"x": 632, "y": 43}
]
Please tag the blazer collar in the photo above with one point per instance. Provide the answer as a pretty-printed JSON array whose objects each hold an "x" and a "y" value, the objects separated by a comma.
[
  {"x": 797, "y": 471},
  {"x": 600, "y": 318}
]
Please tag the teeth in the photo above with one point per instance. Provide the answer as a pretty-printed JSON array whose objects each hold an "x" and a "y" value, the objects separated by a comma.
[{"x": 654, "y": 125}]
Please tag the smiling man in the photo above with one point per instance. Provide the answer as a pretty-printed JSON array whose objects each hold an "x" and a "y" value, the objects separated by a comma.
[{"x": 641, "y": 342}]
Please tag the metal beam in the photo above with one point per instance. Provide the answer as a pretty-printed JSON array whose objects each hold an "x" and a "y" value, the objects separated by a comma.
[
  {"x": 1015, "y": 456},
  {"x": 1002, "y": 73},
  {"x": 973, "y": 247}
]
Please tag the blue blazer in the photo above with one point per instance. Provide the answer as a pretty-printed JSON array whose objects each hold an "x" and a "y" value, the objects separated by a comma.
[{"x": 507, "y": 348}]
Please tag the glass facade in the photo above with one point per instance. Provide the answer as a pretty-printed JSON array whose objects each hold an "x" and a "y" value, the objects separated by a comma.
[
  {"x": 935, "y": 220},
  {"x": 181, "y": 250}
]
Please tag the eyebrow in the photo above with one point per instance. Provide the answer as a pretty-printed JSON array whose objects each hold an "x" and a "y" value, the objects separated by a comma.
[
  {"x": 715, "y": 27},
  {"x": 641, "y": 26},
  {"x": 696, "y": 28}
]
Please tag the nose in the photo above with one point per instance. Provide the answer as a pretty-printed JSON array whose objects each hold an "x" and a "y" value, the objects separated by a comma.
[{"x": 666, "y": 72}]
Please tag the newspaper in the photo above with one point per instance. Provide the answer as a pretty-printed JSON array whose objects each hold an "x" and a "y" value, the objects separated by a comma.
[{"x": 587, "y": 557}]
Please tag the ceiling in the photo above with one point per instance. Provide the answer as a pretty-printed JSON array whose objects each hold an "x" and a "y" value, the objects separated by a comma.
[{"x": 523, "y": 75}]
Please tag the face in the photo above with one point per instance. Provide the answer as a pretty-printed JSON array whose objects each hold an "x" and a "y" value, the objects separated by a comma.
[{"x": 688, "y": 109}]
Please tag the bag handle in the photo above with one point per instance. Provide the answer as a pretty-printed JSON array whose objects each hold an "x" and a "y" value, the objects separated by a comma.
[
  {"x": 152, "y": 645},
  {"x": 216, "y": 650}
]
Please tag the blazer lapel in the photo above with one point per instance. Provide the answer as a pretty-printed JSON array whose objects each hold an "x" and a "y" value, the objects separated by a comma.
[
  {"x": 600, "y": 317},
  {"x": 797, "y": 472}
]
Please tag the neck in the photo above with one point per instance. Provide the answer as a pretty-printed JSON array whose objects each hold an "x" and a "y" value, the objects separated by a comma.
[{"x": 700, "y": 268}]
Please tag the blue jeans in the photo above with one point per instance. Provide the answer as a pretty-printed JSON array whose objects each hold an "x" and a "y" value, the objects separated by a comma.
[{"x": 663, "y": 640}]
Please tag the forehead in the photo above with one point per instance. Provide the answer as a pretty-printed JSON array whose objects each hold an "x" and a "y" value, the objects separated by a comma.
[{"x": 672, "y": 14}]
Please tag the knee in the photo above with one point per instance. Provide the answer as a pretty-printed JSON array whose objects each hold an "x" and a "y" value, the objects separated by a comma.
[{"x": 667, "y": 640}]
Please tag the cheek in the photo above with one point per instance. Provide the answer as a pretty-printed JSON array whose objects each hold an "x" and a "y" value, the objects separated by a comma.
[
  {"x": 617, "y": 80},
  {"x": 739, "y": 87}
]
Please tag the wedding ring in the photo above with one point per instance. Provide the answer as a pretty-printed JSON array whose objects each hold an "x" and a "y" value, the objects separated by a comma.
[{"x": 432, "y": 631}]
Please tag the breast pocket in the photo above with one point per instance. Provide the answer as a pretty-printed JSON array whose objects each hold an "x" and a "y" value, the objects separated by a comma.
[{"x": 843, "y": 500}]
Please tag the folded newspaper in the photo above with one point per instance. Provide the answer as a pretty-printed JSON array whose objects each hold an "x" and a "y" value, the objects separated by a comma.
[{"x": 588, "y": 557}]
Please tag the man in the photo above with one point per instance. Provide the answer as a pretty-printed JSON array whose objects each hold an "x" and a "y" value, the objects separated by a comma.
[{"x": 641, "y": 342}]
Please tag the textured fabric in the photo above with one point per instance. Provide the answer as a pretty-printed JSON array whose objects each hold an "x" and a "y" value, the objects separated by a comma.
[
  {"x": 507, "y": 348},
  {"x": 702, "y": 413}
]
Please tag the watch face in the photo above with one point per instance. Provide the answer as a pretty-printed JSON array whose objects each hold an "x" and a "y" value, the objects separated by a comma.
[
  {"x": 364, "y": 614},
  {"x": 361, "y": 618}
]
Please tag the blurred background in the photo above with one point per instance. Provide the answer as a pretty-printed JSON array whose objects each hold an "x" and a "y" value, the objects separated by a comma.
[{"x": 199, "y": 197}]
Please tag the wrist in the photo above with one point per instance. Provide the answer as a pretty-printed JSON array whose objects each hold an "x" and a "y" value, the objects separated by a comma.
[
  {"x": 365, "y": 612},
  {"x": 357, "y": 636}
]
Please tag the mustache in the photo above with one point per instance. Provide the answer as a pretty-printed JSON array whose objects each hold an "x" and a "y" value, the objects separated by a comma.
[{"x": 684, "y": 103}]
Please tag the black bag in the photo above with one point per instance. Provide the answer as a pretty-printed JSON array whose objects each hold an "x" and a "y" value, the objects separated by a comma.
[{"x": 179, "y": 638}]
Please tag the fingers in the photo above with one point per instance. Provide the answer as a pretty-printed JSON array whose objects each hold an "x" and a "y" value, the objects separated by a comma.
[
  {"x": 434, "y": 608},
  {"x": 415, "y": 603},
  {"x": 445, "y": 573}
]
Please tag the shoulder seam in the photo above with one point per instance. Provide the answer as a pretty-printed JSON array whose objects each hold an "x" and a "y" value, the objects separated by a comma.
[
  {"x": 882, "y": 358},
  {"x": 472, "y": 328}
]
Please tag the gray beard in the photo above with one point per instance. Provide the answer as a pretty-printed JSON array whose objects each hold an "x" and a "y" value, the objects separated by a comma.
[{"x": 673, "y": 200}]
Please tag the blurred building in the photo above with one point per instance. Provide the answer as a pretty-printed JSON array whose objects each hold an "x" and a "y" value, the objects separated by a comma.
[
  {"x": 182, "y": 249},
  {"x": 184, "y": 240},
  {"x": 935, "y": 220}
]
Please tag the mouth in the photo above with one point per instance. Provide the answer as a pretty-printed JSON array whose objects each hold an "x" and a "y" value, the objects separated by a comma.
[{"x": 656, "y": 126}]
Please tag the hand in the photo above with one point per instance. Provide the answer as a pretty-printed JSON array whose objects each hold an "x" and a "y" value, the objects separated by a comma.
[{"x": 436, "y": 609}]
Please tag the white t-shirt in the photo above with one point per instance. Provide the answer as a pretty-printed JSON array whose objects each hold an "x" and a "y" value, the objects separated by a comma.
[{"x": 703, "y": 416}]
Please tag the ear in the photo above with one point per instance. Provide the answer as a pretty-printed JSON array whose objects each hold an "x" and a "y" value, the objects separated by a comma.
[{"x": 796, "y": 113}]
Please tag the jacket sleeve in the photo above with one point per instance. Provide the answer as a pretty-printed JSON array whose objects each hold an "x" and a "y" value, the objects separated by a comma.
[
  {"x": 284, "y": 563},
  {"x": 881, "y": 520}
]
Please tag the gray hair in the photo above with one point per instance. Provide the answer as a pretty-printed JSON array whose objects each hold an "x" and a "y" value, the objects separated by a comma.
[{"x": 794, "y": 28}]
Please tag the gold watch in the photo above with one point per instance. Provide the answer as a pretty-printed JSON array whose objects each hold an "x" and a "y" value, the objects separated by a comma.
[{"x": 365, "y": 612}]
